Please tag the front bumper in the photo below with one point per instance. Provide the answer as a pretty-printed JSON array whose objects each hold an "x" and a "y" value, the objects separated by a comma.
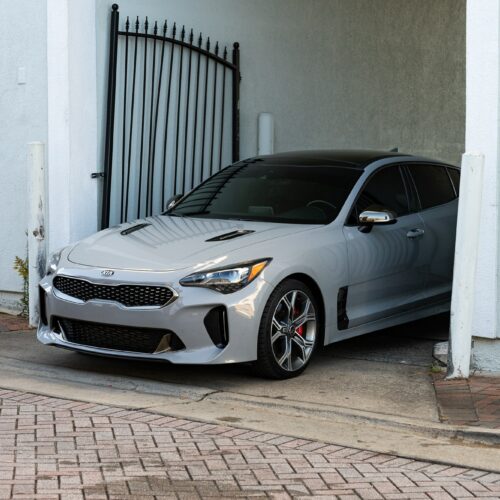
[{"x": 184, "y": 316}]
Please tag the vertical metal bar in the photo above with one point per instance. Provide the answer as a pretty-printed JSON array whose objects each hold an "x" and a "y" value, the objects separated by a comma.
[
  {"x": 158, "y": 103},
  {"x": 179, "y": 91},
  {"x": 122, "y": 216},
  {"x": 222, "y": 110},
  {"x": 110, "y": 116},
  {"x": 196, "y": 113},
  {"x": 202, "y": 168},
  {"x": 186, "y": 124},
  {"x": 213, "y": 110},
  {"x": 145, "y": 77},
  {"x": 149, "y": 186},
  {"x": 131, "y": 118},
  {"x": 165, "y": 138},
  {"x": 236, "y": 102}
]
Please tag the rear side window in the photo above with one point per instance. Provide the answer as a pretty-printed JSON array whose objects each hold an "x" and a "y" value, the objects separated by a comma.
[
  {"x": 384, "y": 190},
  {"x": 455, "y": 178},
  {"x": 433, "y": 185}
]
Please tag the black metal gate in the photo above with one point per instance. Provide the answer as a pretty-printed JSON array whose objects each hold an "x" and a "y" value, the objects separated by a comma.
[{"x": 172, "y": 115}]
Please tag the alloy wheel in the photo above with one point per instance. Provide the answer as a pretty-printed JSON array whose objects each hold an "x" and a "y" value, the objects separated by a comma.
[{"x": 293, "y": 330}]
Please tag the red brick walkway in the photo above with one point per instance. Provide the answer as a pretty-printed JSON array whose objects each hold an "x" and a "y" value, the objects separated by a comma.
[
  {"x": 9, "y": 323},
  {"x": 61, "y": 449},
  {"x": 469, "y": 402}
]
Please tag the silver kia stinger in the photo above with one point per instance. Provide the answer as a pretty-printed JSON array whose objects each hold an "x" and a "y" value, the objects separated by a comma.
[{"x": 264, "y": 262}]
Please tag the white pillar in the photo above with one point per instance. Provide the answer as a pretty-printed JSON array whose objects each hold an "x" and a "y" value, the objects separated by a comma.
[
  {"x": 36, "y": 226},
  {"x": 464, "y": 272},
  {"x": 72, "y": 121},
  {"x": 266, "y": 134},
  {"x": 482, "y": 135}
]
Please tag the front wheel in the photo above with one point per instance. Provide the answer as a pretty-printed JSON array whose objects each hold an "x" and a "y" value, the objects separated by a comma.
[{"x": 289, "y": 331}]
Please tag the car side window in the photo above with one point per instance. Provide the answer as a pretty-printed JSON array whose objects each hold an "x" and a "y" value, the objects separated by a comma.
[
  {"x": 385, "y": 189},
  {"x": 433, "y": 185},
  {"x": 455, "y": 178}
]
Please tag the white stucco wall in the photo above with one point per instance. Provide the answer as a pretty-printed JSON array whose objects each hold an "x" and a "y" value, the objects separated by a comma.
[
  {"x": 23, "y": 118},
  {"x": 483, "y": 136},
  {"x": 72, "y": 121}
]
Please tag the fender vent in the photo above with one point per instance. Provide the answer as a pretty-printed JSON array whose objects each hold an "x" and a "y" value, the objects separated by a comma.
[
  {"x": 342, "y": 318},
  {"x": 135, "y": 228},
  {"x": 231, "y": 235}
]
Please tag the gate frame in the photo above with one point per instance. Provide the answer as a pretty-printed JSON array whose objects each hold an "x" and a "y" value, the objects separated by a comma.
[{"x": 111, "y": 98}]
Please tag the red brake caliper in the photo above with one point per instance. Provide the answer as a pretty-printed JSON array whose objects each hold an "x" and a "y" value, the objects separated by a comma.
[{"x": 300, "y": 329}]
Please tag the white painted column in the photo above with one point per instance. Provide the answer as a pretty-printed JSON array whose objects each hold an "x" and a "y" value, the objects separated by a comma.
[
  {"x": 36, "y": 226},
  {"x": 72, "y": 121},
  {"x": 482, "y": 135},
  {"x": 462, "y": 301}
]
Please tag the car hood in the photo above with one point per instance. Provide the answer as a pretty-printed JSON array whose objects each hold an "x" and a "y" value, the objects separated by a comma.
[{"x": 165, "y": 243}]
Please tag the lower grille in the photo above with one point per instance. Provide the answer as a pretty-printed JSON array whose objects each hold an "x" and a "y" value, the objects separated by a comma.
[
  {"x": 120, "y": 338},
  {"x": 128, "y": 295}
]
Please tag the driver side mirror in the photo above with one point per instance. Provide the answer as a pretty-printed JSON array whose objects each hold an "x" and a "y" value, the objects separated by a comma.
[
  {"x": 172, "y": 201},
  {"x": 369, "y": 218}
]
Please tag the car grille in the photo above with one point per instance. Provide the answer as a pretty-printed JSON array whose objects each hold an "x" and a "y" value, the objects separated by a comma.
[
  {"x": 121, "y": 338},
  {"x": 128, "y": 295}
]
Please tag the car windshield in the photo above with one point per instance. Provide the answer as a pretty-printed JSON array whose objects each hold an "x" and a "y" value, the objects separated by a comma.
[{"x": 275, "y": 193}]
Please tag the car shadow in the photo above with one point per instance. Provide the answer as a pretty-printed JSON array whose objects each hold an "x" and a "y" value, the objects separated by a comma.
[{"x": 409, "y": 344}]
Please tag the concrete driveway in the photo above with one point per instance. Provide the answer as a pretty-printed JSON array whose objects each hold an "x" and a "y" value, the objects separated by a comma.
[
  {"x": 386, "y": 372},
  {"x": 374, "y": 392}
]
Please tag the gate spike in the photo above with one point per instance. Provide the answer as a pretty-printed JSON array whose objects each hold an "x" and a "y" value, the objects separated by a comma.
[
  {"x": 155, "y": 30},
  {"x": 127, "y": 24},
  {"x": 225, "y": 53},
  {"x": 146, "y": 25},
  {"x": 200, "y": 40},
  {"x": 165, "y": 28},
  {"x": 137, "y": 24},
  {"x": 208, "y": 44},
  {"x": 174, "y": 30},
  {"x": 183, "y": 33},
  {"x": 216, "y": 48},
  {"x": 191, "y": 37}
]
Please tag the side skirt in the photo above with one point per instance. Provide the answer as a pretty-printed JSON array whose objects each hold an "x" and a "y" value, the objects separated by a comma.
[{"x": 394, "y": 320}]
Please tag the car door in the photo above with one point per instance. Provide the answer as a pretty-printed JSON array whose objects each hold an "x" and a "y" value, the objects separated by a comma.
[
  {"x": 386, "y": 265},
  {"x": 437, "y": 189}
]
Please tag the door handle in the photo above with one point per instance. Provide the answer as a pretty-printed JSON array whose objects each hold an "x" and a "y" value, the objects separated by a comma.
[{"x": 415, "y": 233}]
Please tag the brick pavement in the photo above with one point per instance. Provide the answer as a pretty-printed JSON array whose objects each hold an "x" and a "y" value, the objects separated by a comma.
[
  {"x": 62, "y": 449},
  {"x": 9, "y": 323},
  {"x": 473, "y": 402}
]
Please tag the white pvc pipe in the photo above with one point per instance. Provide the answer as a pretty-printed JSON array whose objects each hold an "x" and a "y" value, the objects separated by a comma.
[
  {"x": 36, "y": 228},
  {"x": 266, "y": 134},
  {"x": 466, "y": 246}
]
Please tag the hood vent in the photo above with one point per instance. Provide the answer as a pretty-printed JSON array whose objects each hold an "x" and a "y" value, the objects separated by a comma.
[
  {"x": 133, "y": 229},
  {"x": 231, "y": 235}
]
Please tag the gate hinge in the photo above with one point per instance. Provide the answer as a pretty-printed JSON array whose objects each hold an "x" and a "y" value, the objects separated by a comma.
[{"x": 97, "y": 175}]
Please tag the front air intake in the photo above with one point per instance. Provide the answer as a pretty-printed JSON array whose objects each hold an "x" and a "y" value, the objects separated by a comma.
[
  {"x": 216, "y": 324},
  {"x": 117, "y": 337}
]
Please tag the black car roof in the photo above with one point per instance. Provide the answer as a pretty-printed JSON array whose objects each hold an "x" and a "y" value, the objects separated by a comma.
[{"x": 358, "y": 158}]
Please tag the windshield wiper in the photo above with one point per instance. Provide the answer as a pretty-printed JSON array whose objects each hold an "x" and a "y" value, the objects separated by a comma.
[{"x": 187, "y": 214}]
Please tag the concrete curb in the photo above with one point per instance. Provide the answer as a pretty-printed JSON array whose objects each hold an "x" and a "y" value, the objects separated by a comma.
[{"x": 183, "y": 394}]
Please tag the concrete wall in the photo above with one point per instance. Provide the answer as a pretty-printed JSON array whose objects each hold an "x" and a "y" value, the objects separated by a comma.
[
  {"x": 335, "y": 73},
  {"x": 23, "y": 118}
]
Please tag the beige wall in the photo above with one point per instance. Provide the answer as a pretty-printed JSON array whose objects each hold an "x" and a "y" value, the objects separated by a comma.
[{"x": 335, "y": 73}]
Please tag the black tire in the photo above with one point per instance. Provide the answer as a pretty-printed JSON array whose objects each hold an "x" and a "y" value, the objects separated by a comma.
[{"x": 266, "y": 365}]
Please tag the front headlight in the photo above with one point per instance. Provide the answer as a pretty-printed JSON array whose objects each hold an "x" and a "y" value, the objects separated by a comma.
[
  {"x": 227, "y": 279},
  {"x": 53, "y": 262}
]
